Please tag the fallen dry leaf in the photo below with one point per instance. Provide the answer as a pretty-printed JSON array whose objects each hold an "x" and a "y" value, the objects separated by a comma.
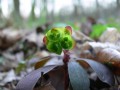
[
  {"x": 111, "y": 57},
  {"x": 105, "y": 53},
  {"x": 111, "y": 35}
]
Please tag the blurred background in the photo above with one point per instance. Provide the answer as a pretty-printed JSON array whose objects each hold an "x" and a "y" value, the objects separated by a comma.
[
  {"x": 23, "y": 24},
  {"x": 30, "y": 13}
]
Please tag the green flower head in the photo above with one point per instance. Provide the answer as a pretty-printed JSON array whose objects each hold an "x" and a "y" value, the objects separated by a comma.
[{"x": 58, "y": 39}]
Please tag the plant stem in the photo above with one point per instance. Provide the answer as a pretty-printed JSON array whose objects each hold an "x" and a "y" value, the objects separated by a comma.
[
  {"x": 66, "y": 60},
  {"x": 66, "y": 56}
]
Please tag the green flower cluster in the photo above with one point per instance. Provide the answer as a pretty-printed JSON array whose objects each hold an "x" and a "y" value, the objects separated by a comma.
[{"x": 58, "y": 39}]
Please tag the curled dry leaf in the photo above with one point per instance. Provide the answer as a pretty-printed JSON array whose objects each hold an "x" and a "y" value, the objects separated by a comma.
[
  {"x": 90, "y": 49},
  {"x": 49, "y": 60},
  {"x": 42, "y": 62},
  {"x": 111, "y": 32},
  {"x": 87, "y": 54},
  {"x": 111, "y": 57},
  {"x": 9, "y": 77},
  {"x": 104, "y": 53},
  {"x": 97, "y": 46},
  {"x": 80, "y": 37},
  {"x": 8, "y": 37}
]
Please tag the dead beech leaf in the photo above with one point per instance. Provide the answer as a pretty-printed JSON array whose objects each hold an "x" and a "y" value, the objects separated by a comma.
[
  {"x": 10, "y": 76},
  {"x": 80, "y": 36},
  {"x": 110, "y": 57},
  {"x": 42, "y": 62},
  {"x": 87, "y": 54},
  {"x": 97, "y": 46},
  {"x": 83, "y": 64},
  {"x": 111, "y": 32},
  {"x": 8, "y": 37},
  {"x": 50, "y": 60},
  {"x": 90, "y": 49}
]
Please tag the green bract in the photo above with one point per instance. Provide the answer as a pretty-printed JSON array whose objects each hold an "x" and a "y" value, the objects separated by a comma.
[
  {"x": 67, "y": 42},
  {"x": 54, "y": 34},
  {"x": 54, "y": 47},
  {"x": 57, "y": 39}
]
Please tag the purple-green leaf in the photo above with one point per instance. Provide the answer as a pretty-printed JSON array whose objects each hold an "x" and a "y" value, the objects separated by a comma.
[
  {"x": 29, "y": 81},
  {"x": 78, "y": 76},
  {"x": 101, "y": 70}
]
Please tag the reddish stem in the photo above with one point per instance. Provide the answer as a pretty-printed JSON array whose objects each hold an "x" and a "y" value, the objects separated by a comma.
[
  {"x": 66, "y": 56},
  {"x": 66, "y": 60}
]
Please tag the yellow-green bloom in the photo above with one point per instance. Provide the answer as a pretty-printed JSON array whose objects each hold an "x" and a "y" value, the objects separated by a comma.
[
  {"x": 67, "y": 42},
  {"x": 57, "y": 39}
]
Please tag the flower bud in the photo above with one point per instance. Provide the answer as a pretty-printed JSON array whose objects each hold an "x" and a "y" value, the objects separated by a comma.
[
  {"x": 54, "y": 34},
  {"x": 54, "y": 47},
  {"x": 67, "y": 42},
  {"x": 57, "y": 39}
]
